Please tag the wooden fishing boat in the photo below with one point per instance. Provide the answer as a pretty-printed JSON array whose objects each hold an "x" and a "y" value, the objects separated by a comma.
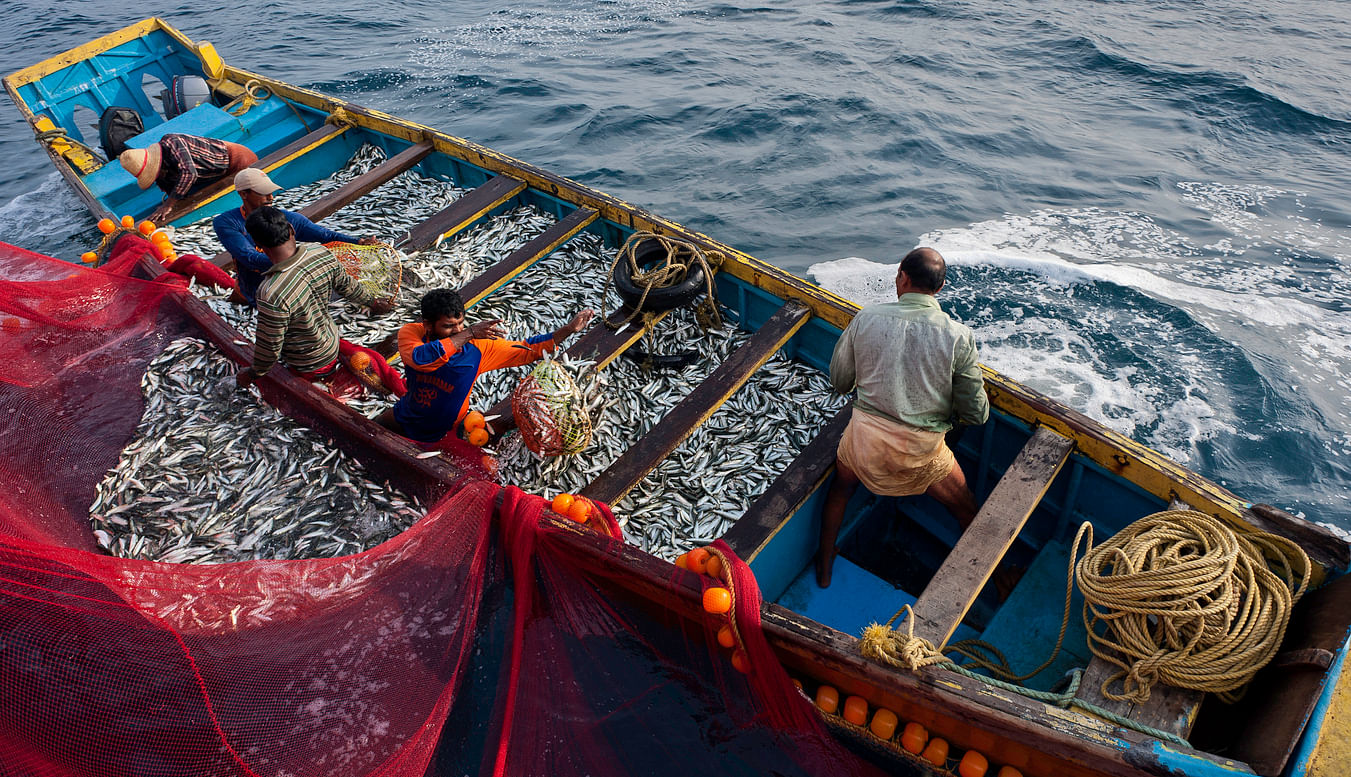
[{"x": 1040, "y": 468}]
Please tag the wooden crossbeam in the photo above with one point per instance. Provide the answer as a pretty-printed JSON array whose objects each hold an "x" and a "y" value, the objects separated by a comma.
[
  {"x": 367, "y": 181},
  {"x": 696, "y": 407},
  {"x": 281, "y": 156},
  {"x": 789, "y": 490},
  {"x": 352, "y": 190},
  {"x": 601, "y": 344},
  {"x": 945, "y": 601},
  {"x": 517, "y": 261},
  {"x": 461, "y": 213}
]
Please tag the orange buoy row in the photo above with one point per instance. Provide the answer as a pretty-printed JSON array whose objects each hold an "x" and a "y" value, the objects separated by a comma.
[
  {"x": 159, "y": 239},
  {"x": 717, "y": 600},
  {"x": 914, "y": 738}
]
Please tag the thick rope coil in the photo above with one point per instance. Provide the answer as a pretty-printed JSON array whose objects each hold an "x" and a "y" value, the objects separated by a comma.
[
  {"x": 1187, "y": 601},
  {"x": 681, "y": 257}
]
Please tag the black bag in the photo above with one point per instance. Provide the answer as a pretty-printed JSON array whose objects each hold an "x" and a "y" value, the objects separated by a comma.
[{"x": 116, "y": 127}]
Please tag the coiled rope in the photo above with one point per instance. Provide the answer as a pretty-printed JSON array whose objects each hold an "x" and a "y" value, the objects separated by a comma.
[
  {"x": 681, "y": 257},
  {"x": 1188, "y": 602},
  {"x": 1183, "y": 598}
]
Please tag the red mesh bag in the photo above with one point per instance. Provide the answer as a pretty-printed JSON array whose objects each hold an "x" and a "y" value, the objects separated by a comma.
[{"x": 479, "y": 641}]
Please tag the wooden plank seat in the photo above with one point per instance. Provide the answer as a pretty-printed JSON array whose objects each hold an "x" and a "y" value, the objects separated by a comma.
[
  {"x": 953, "y": 589},
  {"x": 790, "y": 489},
  {"x": 268, "y": 163},
  {"x": 461, "y": 213},
  {"x": 601, "y": 344},
  {"x": 367, "y": 181},
  {"x": 355, "y": 188},
  {"x": 519, "y": 260},
  {"x": 698, "y": 405}
]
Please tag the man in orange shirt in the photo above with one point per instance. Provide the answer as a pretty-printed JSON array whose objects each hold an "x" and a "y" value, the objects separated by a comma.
[{"x": 443, "y": 358}]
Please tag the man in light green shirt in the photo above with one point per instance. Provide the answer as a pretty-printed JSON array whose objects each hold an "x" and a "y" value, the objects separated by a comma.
[{"x": 915, "y": 370}]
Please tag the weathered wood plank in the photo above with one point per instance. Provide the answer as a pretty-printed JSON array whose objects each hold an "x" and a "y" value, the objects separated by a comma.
[
  {"x": 602, "y": 344},
  {"x": 1168, "y": 708},
  {"x": 789, "y": 490},
  {"x": 461, "y": 213},
  {"x": 272, "y": 161},
  {"x": 364, "y": 183},
  {"x": 973, "y": 559},
  {"x": 515, "y": 263},
  {"x": 696, "y": 407}
]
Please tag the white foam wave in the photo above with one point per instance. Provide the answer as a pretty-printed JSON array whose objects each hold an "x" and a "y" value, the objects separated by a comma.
[
  {"x": 39, "y": 219},
  {"x": 565, "y": 29}
]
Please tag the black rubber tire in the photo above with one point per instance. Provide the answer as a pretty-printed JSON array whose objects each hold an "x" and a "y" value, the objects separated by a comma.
[{"x": 658, "y": 300}]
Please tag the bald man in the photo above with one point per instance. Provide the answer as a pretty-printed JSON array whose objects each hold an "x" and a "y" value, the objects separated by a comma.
[{"x": 915, "y": 370}]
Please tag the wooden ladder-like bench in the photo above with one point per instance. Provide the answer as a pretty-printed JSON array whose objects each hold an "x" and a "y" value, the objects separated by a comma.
[{"x": 953, "y": 589}]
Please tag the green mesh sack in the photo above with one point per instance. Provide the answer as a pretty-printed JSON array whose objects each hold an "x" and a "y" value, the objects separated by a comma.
[{"x": 378, "y": 268}]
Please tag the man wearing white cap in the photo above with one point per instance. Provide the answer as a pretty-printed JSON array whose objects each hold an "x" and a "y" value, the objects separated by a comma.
[
  {"x": 182, "y": 164},
  {"x": 255, "y": 190}
]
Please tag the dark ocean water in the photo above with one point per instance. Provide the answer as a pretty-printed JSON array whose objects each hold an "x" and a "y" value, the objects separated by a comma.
[{"x": 1144, "y": 204}]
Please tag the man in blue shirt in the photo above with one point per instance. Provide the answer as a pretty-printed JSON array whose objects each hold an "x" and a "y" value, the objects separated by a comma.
[{"x": 255, "y": 190}]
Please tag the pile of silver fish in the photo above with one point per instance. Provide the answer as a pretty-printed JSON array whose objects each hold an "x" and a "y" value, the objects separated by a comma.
[
  {"x": 213, "y": 475},
  {"x": 695, "y": 495}
]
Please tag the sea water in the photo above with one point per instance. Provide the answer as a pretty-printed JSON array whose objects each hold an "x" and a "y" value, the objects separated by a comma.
[{"x": 1142, "y": 204}]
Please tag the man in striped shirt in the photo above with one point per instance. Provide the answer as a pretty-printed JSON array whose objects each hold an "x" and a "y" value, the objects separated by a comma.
[{"x": 294, "y": 323}]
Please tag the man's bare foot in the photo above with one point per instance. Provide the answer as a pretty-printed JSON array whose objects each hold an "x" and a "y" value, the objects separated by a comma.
[{"x": 824, "y": 564}]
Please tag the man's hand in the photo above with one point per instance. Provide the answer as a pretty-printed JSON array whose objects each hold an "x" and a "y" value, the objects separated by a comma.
[
  {"x": 487, "y": 330},
  {"x": 369, "y": 240},
  {"x": 245, "y": 377},
  {"x": 161, "y": 211},
  {"x": 579, "y": 321},
  {"x": 382, "y": 306}
]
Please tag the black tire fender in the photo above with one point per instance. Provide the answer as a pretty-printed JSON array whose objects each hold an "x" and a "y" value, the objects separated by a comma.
[{"x": 658, "y": 299}]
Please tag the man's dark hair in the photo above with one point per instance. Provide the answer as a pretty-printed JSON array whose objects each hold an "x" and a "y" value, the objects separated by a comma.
[
  {"x": 268, "y": 227},
  {"x": 441, "y": 302},
  {"x": 926, "y": 269}
]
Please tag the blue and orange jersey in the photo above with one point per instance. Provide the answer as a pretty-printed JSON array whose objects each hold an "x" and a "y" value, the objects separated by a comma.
[{"x": 440, "y": 377}]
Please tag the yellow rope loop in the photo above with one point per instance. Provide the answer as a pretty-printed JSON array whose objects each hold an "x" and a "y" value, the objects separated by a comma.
[
  {"x": 889, "y": 645},
  {"x": 1186, "y": 601},
  {"x": 681, "y": 258},
  {"x": 340, "y": 117}
]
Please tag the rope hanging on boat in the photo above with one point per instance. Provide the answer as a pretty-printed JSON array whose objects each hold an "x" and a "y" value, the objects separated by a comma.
[
  {"x": 681, "y": 257},
  {"x": 1189, "y": 602},
  {"x": 254, "y": 93}
]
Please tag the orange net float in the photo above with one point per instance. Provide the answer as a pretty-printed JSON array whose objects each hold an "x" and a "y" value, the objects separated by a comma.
[
  {"x": 549, "y": 411},
  {"x": 973, "y": 764},
  {"x": 914, "y": 738},
  {"x": 856, "y": 710}
]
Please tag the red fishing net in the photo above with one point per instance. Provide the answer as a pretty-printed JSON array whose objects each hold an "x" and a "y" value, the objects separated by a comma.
[{"x": 480, "y": 641}]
